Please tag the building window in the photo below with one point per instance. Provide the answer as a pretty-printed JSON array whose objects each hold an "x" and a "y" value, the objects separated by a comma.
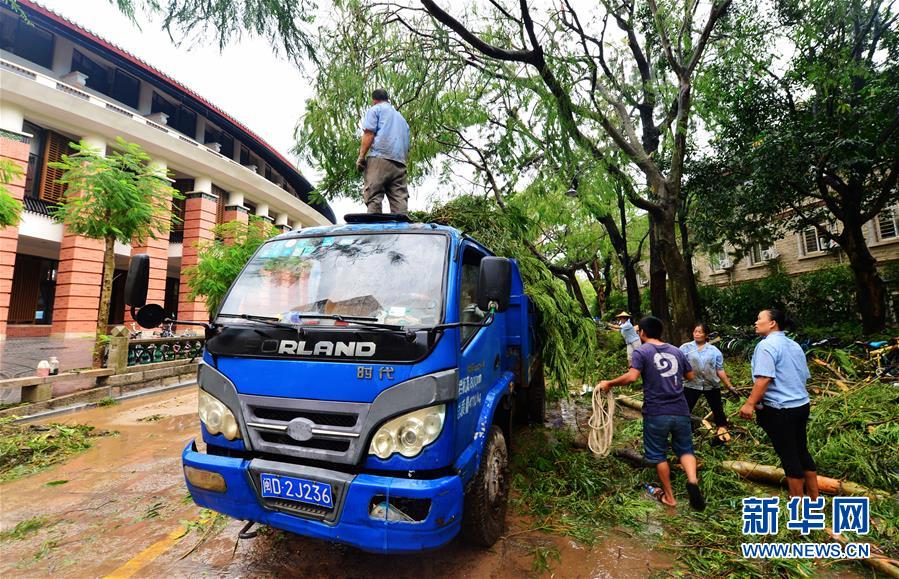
[
  {"x": 113, "y": 82},
  {"x": 244, "y": 156},
  {"x": 213, "y": 135},
  {"x": 49, "y": 189},
  {"x": 814, "y": 242},
  {"x": 181, "y": 118},
  {"x": 759, "y": 253},
  {"x": 220, "y": 203},
  {"x": 719, "y": 261},
  {"x": 125, "y": 88},
  {"x": 185, "y": 122},
  {"x": 97, "y": 74},
  {"x": 26, "y": 40},
  {"x": 35, "y": 159},
  {"x": 160, "y": 104},
  {"x": 888, "y": 223}
]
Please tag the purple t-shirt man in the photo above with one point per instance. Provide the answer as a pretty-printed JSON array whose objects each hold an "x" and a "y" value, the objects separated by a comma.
[{"x": 662, "y": 368}]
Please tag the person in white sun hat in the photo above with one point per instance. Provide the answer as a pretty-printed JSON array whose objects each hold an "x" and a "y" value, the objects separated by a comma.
[{"x": 628, "y": 332}]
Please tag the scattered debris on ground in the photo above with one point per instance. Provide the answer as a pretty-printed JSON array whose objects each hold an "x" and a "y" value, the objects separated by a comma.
[
  {"x": 23, "y": 528},
  {"x": 28, "y": 448},
  {"x": 853, "y": 435}
]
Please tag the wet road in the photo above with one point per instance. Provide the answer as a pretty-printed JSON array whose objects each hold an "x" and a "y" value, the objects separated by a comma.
[{"x": 124, "y": 511}]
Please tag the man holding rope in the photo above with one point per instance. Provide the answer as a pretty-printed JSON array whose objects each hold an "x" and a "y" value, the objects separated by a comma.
[{"x": 665, "y": 411}]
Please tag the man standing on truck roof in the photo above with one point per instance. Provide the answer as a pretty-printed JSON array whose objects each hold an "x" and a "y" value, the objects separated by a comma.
[{"x": 382, "y": 156}]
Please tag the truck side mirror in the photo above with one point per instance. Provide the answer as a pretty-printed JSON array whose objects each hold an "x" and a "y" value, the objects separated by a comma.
[
  {"x": 494, "y": 283},
  {"x": 138, "y": 281},
  {"x": 136, "y": 284}
]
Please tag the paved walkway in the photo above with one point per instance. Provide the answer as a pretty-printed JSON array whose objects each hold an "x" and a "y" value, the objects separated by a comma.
[{"x": 20, "y": 356}]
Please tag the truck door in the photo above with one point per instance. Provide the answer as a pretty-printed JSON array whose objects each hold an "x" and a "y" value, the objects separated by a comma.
[{"x": 481, "y": 348}]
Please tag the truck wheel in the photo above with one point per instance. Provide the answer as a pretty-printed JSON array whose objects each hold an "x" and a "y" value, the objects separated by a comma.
[
  {"x": 484, "y": 514},
  {"x": 537, "y": 398}
]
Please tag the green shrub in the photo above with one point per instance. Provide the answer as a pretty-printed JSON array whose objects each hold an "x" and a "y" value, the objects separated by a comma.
[
  {"x": 825, "y": 297},
  {"x": 818, "y": 301}
]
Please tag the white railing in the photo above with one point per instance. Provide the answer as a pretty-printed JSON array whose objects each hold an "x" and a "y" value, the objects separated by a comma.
[{"x": 86, "y": 96}]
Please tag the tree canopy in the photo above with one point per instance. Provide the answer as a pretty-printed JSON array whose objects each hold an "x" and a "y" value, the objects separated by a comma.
[{"x": 810, "y": 141}]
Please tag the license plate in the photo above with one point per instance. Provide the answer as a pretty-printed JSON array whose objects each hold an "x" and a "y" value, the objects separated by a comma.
[{"x": 296, "y": 489}]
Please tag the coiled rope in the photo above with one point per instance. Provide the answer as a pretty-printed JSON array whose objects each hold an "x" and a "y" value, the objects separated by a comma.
[{"x": 602, "y": 428}]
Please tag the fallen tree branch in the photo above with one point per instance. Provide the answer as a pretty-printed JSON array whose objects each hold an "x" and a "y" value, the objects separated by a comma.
[
  {"x": 635, "y": 404},
  {"x": 774, "y": 475}
]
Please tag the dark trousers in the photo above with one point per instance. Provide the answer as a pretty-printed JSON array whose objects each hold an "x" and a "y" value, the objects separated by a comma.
[
  {"x": 786, "y": 428},
  {"x": 384, "y": 177},
  {"x": 713, "y": 397}
]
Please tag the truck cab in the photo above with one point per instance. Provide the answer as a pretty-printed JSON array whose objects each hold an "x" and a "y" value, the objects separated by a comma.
[{"x": 359, "y": 384}]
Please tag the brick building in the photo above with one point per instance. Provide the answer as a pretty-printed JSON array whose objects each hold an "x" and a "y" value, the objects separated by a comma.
[
  {"x": 798, "y": 253},
  {"x": 60, "y": 83}
]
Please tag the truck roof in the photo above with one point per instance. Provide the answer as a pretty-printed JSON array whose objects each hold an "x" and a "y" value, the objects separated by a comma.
[{"x": 380, "y": 227}]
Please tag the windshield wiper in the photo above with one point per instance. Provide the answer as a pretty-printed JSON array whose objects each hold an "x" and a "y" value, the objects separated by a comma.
[
  {"x": 360, "y": 320},
  {"x": 367, "y": 321},
  {"x": 267, "y": 320}
]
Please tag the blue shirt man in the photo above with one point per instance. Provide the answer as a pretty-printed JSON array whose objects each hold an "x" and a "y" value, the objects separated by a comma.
[
  {"x": 391, "y": 132},
  {"x": 383, "y": 154},
  {"x": 781, "y": 359}
]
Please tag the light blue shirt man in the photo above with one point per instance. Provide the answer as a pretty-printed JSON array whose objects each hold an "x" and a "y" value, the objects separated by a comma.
[
  {"x": 629, "y": 333},
  {"x": 391, "y": 132},
  {"x": 781, "y": 359}
]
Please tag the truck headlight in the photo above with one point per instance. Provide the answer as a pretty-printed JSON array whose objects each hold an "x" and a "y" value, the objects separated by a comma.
[
  {"x": 409, "y": 433},
  {"x": 217, "y": 417}
]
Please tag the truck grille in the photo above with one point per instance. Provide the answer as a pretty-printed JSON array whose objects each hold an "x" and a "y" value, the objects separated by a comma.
[
  {"x": 330, "y": 431},
  {"x": 322, "y": 443},
  {"x": 282, "y": 415}
]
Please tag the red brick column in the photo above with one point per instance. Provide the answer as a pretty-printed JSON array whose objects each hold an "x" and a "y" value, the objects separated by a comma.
[
  {"x": 78, "y": 282},
  {"x": 79, "y": 277},
  {"x": 199, "y": 219},
  {"x": 13, "y": 147},
  {"x": 236, "y": 213}
]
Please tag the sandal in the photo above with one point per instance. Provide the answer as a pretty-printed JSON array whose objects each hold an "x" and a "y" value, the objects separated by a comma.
[{"x": 722, "y": 435}]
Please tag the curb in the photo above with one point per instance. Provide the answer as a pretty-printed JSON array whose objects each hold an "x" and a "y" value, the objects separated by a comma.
[{"x": 126, "y": 396}]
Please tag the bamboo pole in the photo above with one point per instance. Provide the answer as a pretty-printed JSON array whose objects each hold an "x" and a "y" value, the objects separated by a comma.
[
  {"x": 635, "y": 404},
  {"x": 774, "y": 475},
  {"x": 877, "y": 562}
]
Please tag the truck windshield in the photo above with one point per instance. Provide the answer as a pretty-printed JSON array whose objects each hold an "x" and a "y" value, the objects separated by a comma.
[{"x": 394, "y": 278}]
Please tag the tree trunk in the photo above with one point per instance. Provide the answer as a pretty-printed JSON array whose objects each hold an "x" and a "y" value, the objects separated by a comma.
[
  {"x": 105, "y": 297},
  {"x": 683, "y": 307},
  {"x": 870, "y": 291},
  {"x": 618, "y": 239},
  {"x": 658, "y": 292},
  {"x": 607, "y": 276},
  {"x": 575, "y": 287},
  {"x": 687, "y": 250}
]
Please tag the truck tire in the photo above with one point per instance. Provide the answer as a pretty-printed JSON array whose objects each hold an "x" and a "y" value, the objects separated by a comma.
[
  {"x": 536, "y": 396},
  {"x": 484, "y": 513}
]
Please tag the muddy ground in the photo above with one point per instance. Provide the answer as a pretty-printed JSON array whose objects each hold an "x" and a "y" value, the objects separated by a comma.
[{"x": 124, "y": 511}]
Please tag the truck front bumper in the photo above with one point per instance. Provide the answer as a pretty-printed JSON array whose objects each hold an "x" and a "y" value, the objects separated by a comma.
[{"x": 350, "y": 521}]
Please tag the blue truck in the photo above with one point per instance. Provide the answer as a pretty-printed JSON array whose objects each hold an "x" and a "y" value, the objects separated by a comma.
[{"x": 360, "y": 384}]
